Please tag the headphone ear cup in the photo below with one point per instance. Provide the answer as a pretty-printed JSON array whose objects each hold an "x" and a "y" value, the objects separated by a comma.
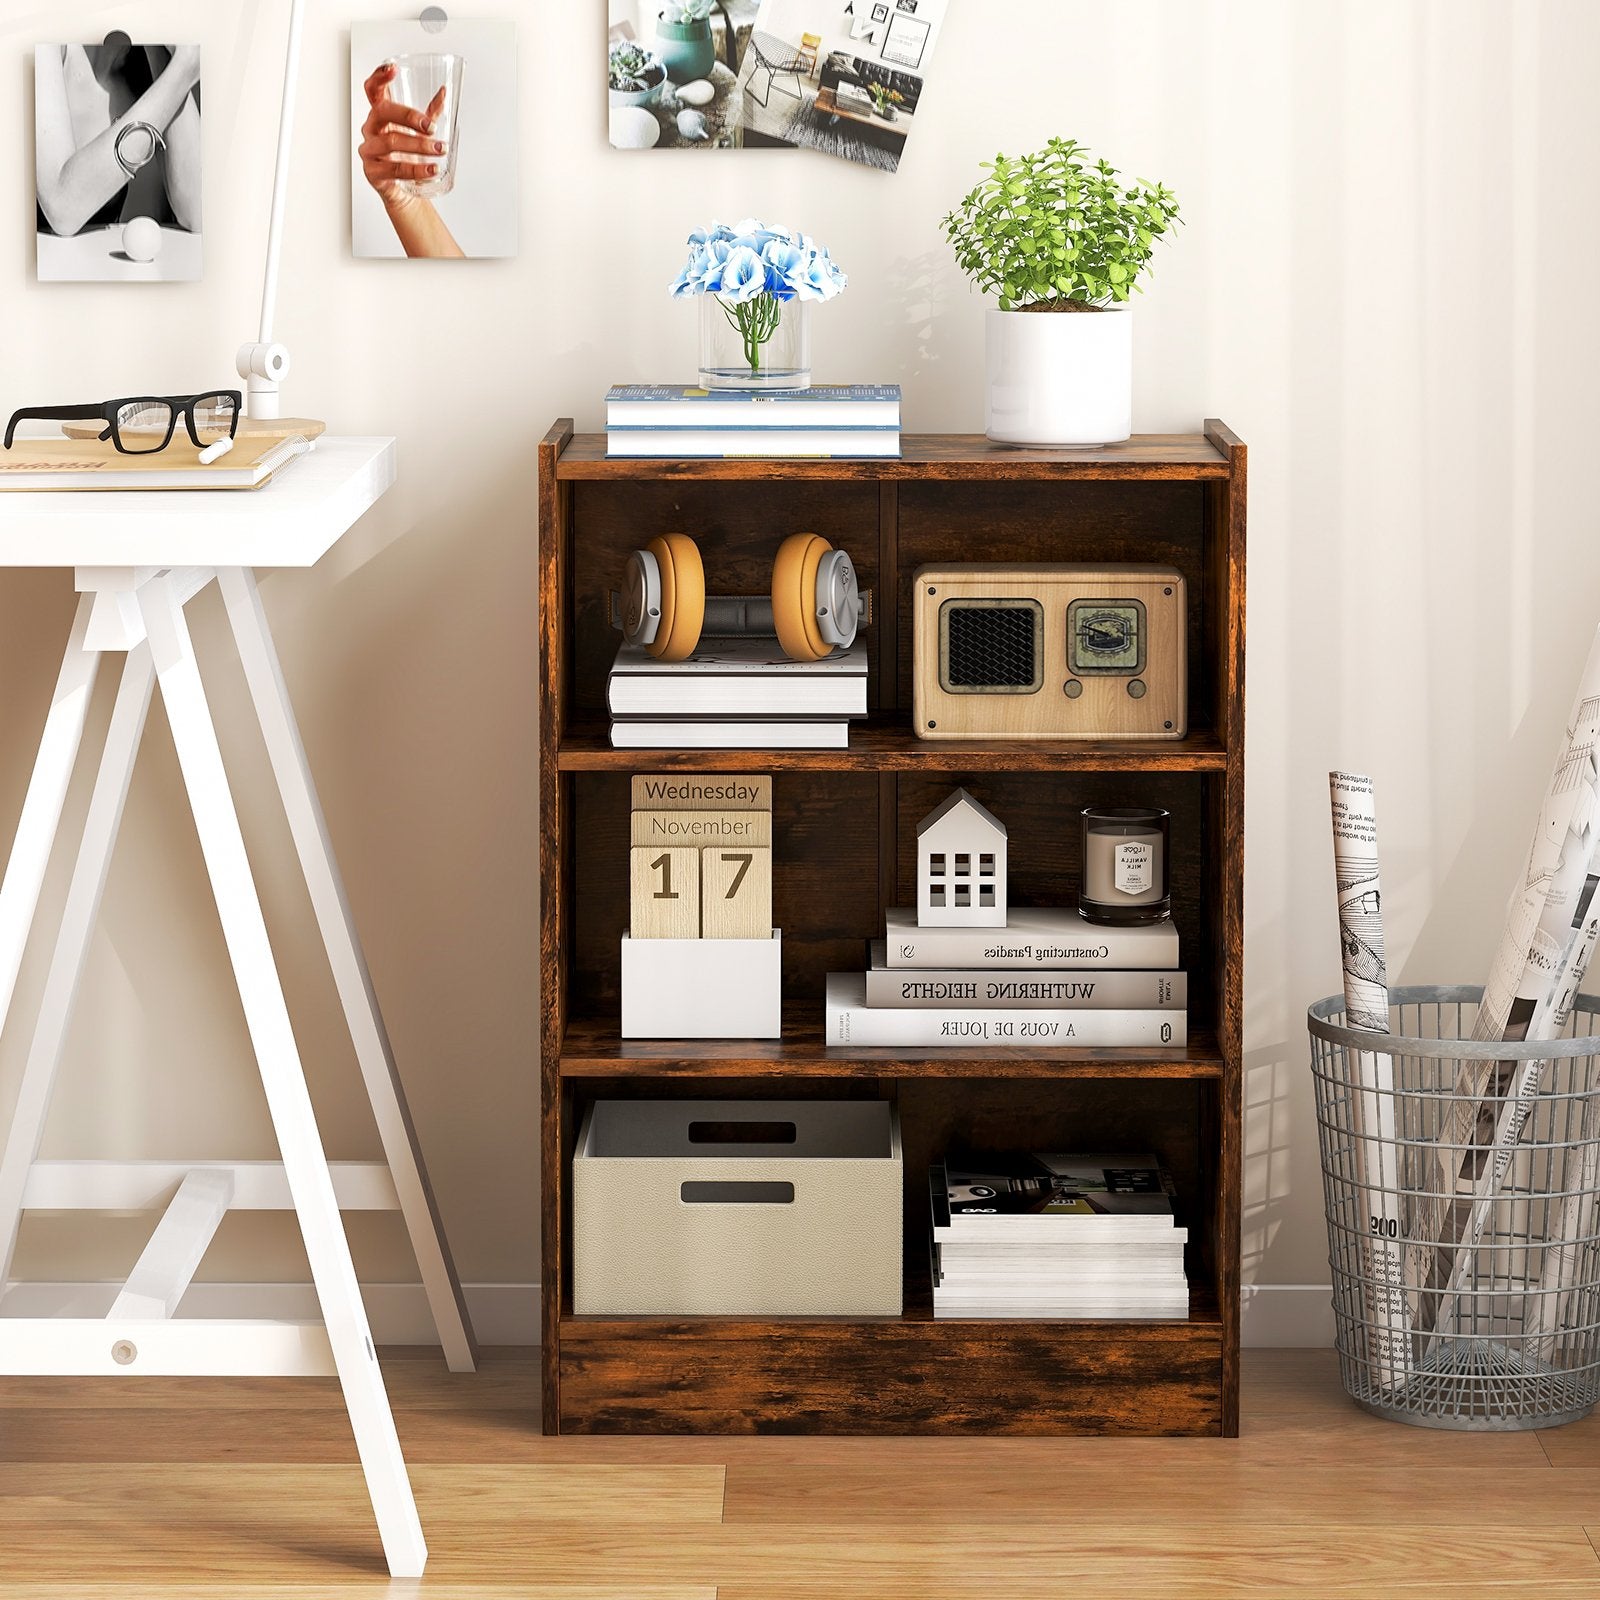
[
  {"x": 794, "y": 596},
  {"x": 683, "y": 596}
]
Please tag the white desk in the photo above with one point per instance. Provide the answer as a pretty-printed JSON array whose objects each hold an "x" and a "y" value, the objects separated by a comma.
[{"x": 138, "y": 559}]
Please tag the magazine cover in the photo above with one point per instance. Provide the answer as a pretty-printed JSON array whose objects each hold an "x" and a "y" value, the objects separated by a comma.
[
  {"x": 1027, "y": 1184},
  {"x": 843, "y": 79}
]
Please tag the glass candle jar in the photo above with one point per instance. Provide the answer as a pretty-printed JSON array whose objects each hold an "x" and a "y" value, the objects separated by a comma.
[{"x": 1126, "y": 875}]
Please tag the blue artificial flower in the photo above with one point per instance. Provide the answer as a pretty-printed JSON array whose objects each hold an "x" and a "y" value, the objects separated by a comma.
[
  {"x": 744, "y": 276},
  {"x": 752, "y": 258}
]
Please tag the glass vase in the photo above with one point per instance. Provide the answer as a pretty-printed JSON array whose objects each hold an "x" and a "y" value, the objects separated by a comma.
[{"x": 763, "y": 344}]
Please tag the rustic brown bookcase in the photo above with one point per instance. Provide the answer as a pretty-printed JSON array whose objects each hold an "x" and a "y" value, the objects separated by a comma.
[{"x": 844, "y": 824}]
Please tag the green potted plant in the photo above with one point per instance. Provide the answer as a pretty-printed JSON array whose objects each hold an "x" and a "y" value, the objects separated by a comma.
[
  {"x": 1060, "y": 242},
  {"x": 683, "y": 39},
  {"x": 635, "y": 74}
]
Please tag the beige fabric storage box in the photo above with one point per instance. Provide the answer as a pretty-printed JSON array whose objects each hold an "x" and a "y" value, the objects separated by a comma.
[{"x": 737, "y": 1208}]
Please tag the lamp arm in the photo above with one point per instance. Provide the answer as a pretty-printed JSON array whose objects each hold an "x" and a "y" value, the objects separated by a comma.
[{"x": 264, "y": 363}]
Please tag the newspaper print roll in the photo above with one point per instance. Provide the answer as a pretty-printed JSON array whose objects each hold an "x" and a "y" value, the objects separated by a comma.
[
  {"x": 1540, "y": 963},
  {"x": 1386, "y": 1308}
]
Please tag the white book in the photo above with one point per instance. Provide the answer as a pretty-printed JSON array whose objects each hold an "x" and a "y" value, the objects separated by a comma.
[
  {"x": 1033, "y": 987},
  {"x": 730, "y": 733},
  {"x": 851, "y": 1021},
  {"x": 85, "y": 464},
  {"x": 738, "y": 677},
  {"x": 1049, "y": 1311},
  {"x": 729, "y": 443},
  {"x": 1015, "y": 1256},
  {"x": 1034, "y": 936},
  {"x": 1051, "y": 1294},
  {"x": 687, "y": 405}
]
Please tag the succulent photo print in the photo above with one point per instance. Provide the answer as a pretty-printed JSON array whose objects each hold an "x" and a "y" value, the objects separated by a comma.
[{"x": 672, "y": 73}]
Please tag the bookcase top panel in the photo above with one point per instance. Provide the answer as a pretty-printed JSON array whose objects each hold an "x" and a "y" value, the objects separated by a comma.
[{"x": 925, "y": 455}]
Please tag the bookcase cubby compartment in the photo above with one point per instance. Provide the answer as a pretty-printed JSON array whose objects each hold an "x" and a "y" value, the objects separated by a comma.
[{"x": 844, "y": 841}]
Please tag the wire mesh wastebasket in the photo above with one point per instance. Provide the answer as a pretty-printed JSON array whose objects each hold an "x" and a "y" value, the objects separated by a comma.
[{"x": 1461, "y": 1183}]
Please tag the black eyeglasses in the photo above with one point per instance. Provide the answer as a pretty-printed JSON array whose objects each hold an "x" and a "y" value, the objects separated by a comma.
[{"x": 143, "y": 424}]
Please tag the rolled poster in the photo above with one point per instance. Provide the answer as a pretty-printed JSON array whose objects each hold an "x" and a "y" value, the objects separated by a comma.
[{"x": 1387, "y": 1310}]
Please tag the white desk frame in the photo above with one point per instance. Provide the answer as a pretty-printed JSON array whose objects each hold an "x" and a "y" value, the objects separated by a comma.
[{"x": 136, "y": 606}]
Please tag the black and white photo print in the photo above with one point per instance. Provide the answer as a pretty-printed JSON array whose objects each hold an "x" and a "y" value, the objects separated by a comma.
[{"x": 117, "y": 162}]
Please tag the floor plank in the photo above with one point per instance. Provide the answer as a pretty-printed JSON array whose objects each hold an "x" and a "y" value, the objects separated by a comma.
[
  {"x": 1576, "y": 1445},
  {"x": 1223, "y": 1492},
  {"x": 279, "y": 1495}
]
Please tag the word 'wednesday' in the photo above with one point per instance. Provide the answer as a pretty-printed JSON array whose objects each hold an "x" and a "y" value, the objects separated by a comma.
[{"x": 702, "y": 794}]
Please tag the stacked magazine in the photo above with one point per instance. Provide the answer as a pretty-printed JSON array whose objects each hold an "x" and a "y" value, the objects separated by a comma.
[
  {"x": 1049, "y": 979},
  {"x": 1024, "y": 1235},
  {"x": 736, "y": 694},
  {"x": 853, "y": 420}
]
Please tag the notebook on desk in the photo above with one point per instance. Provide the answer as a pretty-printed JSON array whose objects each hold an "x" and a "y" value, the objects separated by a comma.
[{"x": 35, "y": 464}]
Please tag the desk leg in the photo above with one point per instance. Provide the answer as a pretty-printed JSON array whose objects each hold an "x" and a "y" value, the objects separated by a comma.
[
  {"x": 337, "y": 922},
  {"x": 78, "y": 918},
  {"x": 47, "y": 794},
  {"x": 289, "y": 1103}
]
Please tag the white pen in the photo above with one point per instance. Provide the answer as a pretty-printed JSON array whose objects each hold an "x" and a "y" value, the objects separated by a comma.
[{"x": 213, "y": 451}]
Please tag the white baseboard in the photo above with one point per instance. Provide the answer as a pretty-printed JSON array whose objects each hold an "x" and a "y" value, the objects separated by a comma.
[
  {"x": 1273, "y": 1314},
  {"x": 501, "y": 1313}
]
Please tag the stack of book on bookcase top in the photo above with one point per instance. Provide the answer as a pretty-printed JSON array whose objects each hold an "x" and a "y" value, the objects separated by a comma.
[
  {"x": 1056, "y": 1236},
  {"x": 736, "y": 694},
  {"x": 1049, "y": 979},
  {"x": 828, "y": 420}
]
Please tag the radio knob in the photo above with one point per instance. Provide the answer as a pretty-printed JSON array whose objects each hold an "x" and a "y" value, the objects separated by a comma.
[
  {"x": 1136, "y": 688},
  {"x": 1072, "y": 688}
]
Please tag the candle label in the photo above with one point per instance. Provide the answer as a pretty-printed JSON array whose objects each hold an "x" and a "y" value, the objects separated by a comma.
[{"x": 1135, "y": 866}]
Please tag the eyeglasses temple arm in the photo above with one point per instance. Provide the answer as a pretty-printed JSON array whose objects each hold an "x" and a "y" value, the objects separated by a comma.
[{"x": 53, "y": 414}]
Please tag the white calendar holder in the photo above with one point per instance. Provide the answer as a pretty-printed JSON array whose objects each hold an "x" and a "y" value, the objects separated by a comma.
[{"x": 702, "y": 988}]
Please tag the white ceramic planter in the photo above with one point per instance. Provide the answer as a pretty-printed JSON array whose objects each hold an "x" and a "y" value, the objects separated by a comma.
[{"x": 1060, "y": 377}]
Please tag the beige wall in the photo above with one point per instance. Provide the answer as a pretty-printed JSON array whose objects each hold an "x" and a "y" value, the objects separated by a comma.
[{"x": 1385, "y": 285}]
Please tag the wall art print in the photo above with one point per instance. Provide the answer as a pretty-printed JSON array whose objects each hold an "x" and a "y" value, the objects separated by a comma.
[
  {"x": 117, "y": 162},
  {"x": 433, "y": 115}
]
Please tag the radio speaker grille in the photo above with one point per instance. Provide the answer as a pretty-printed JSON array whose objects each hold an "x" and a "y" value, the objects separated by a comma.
[{"x": 991, "y": 645}]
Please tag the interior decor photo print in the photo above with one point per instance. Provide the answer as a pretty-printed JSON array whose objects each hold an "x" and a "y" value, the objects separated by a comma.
[
  {"x": 117, "y": 162},
  {"x": 433, "y": 112}
]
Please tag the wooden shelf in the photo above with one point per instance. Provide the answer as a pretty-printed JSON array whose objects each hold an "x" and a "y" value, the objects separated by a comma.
[
  {"x": 592, "y": 1049},
  {"x": 887, "y": 744},
  {"x": 929, "y": 455},
  {"x": 845, "y": 854}
]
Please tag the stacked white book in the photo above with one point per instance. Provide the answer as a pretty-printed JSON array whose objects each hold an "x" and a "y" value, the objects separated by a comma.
[
  {"x": 1025, "y": 1235},
  {"x": 825, "y": 420},
  {"x": 1049, "y": 979},
  {"x": 736, "y": 694}
]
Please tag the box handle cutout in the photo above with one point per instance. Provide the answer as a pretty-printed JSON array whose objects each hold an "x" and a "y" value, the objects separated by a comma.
[
  {"x": 734, "y": 1192},
  {"x": 741, "y": 1133}
]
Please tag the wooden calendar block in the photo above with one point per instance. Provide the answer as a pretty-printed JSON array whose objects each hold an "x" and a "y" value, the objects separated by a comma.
[
  {"x": 676, "y": 791},
  {"x": 665, "y": 898},
  {"x": 735, "y": 892},
  {"x": 671, "y": 829}
]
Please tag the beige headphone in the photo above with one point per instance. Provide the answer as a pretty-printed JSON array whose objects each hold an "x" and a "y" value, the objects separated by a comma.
[{"x": 815, "y": 605}]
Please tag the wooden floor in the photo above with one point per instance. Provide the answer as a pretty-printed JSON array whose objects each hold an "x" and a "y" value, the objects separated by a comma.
[{"x": 190, "y": 1488}]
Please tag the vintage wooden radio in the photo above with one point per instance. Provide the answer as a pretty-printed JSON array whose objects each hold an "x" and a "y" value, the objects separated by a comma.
[{"x": 1046, "y": 651}]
